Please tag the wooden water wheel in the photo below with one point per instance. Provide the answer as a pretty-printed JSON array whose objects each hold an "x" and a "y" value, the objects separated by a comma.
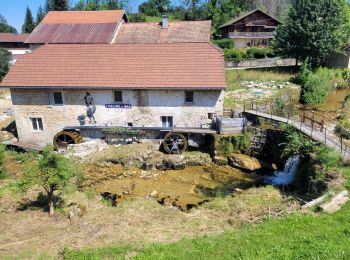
[
  {"x": 66, "y": 137},
  {"x": 175, "y": 143}
]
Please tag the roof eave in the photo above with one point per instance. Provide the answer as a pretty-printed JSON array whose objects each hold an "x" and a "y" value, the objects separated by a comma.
[{"x": 114, "y": 87}]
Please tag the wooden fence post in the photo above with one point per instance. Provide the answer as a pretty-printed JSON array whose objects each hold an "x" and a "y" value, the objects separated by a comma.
[
  {"x": 244, "y": 105},
  {"x": 341, "y": 144}
]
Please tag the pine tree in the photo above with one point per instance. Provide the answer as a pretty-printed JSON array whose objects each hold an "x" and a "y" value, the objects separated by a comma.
[
  {"x": 313, "y": 30},
  {"x": 29, "y": 24},
  {"x": 39, "y": 15}
]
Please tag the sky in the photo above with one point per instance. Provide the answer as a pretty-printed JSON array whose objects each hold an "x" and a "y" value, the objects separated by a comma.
[{"x": 14, "y": 10}]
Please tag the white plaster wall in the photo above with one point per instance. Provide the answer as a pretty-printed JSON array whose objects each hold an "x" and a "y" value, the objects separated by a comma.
[{"x": 147, "y": 108}]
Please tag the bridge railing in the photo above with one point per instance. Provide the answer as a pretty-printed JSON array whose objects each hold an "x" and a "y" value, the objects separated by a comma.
[{"x": 310, "y": 122}]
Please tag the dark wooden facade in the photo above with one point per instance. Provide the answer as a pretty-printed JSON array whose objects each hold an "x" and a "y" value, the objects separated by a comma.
[{"x": 252, "y": 29}]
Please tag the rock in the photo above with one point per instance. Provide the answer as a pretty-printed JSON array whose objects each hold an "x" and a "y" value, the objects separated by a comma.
[
  {"x": 244, "y": 162},
  {"x": 200, "y": 159},
  {"x": 153, "y": 194},
  {"x": 335, "y": 203},
  {"x": 206, "y": 176},
  {"x": 175, "y": 162},
  {"x": 76, "y": 210},
  {"x": 147, "y": 166},
  {"x": 220, "y": 160}
]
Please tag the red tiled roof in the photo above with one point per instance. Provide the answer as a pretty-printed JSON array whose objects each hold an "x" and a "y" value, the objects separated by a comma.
[
  {"x": 182, "y": 31},
  {"x": 123, "y": 66},
  {"x": 12, "y": 37},
  {"x": 73, "y": 33},
  {"x": 83, "y": 17},
  {"x": 77, "y": 27}
]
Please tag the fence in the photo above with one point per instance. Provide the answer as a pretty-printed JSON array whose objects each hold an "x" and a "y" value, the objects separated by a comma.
[{"x": 310, "y": 123}]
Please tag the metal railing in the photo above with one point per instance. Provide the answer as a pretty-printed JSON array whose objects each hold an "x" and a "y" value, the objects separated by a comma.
[{"x": 311, "y": 124}]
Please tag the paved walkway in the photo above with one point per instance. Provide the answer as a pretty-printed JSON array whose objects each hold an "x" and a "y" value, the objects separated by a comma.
[{"x": 326, "y": 137}]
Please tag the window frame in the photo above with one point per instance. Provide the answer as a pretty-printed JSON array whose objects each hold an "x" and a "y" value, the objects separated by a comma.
[
  {"x": 37, "y": 124},
  {"x": 121, "y": 96},
  {"x": 53, "y": 98},
  {"x": 189, "y": 102},
  {"x": 167, "y": 121}
]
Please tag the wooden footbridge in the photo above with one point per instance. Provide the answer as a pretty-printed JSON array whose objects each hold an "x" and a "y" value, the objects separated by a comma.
[{"x": 307, "y": 124}]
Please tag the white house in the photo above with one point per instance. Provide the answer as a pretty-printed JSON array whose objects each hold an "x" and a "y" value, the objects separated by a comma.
[{"x": 141, "y": 85}]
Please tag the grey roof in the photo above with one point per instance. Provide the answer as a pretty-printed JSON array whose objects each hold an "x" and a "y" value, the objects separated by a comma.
[{"x": 236, "y": 19}]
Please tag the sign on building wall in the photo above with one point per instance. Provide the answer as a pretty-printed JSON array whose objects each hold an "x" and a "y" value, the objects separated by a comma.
[{"x": 127, "y": 106}]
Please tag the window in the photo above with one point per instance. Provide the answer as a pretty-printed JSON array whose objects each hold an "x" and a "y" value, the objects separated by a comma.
[
  {"x": 188, "y": 96},
  {"x": 58, "y": 98},
  {"x": 167, "y": 121},
  {"x": 37, "y": 124},
  {"x": 118, "y": 97}
]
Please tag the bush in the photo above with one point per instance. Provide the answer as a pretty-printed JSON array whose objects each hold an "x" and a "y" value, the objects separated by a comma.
[
  {"x": 260, "y": 53},
  {"x": 233, "y": 55},
  {"x": 328, "y": 158},
  {"x": 343, "y": 126},
  {"x": 224, "y": 43},
  {"x": 137, "y": 18},
  {"x": 296, "y": 143},
  {"x": 3, "y": 174},
  {"x": 317, "y": 85}
]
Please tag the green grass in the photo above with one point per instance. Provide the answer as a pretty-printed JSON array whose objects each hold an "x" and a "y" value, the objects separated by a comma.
[
  {"x": 159, "y": 19},
  {"x": 298, "y": 236},
  {"x": 235, "y": 77}
]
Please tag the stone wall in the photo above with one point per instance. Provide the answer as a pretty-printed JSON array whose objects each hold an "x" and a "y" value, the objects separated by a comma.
[
  {"x": 260, "y": 63},
  {"x": 147, "y": 107}
]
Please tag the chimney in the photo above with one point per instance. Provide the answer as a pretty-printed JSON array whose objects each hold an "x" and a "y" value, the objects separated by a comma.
[{"x": 164, "y": 21}]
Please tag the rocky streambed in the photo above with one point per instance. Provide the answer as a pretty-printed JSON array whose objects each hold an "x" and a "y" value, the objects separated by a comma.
[{"x": 183, "y": 188}]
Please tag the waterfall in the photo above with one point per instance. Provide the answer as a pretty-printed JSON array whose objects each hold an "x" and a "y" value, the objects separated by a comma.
[{"x": 286, "y": 176}]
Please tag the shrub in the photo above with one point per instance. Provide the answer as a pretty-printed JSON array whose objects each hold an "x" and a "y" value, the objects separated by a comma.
[
  {"x": 317, "y": 85},
  {"x": 296, "y": 143},
  {"x": 233, "y": 55},
  {"x": 3, "y": 173},
  {"x": 224, "y": 43},
  {"x": 137, "y": 18},
  {"x": 327, "y": 157},
  {"x": 260, "y": 53}
]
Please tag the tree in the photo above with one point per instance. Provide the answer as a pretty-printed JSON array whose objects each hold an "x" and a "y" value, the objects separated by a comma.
[
  {"x": 155, "y": 7},
  {"x": 5, "y": 58},
  {"x": 52, "y": 172},
  {"x": 56, "y": 5},
  {"x": 29, "y": 24},
  {"x": 92, "y": 5},
  {"x": 39, "y": 15},
  {"x": 313, "y": 30},
  {"x": 4, "y": 27}
]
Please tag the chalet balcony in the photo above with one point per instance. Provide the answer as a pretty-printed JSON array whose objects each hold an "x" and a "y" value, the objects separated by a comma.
[{"x": 252, "y": 34}]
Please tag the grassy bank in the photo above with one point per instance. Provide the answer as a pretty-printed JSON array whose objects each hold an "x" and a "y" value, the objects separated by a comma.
[{"x": 299, "y": 236}]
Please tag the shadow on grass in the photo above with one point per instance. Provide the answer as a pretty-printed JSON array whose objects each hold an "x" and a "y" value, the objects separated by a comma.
[{"x": 41, "y": 202}]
